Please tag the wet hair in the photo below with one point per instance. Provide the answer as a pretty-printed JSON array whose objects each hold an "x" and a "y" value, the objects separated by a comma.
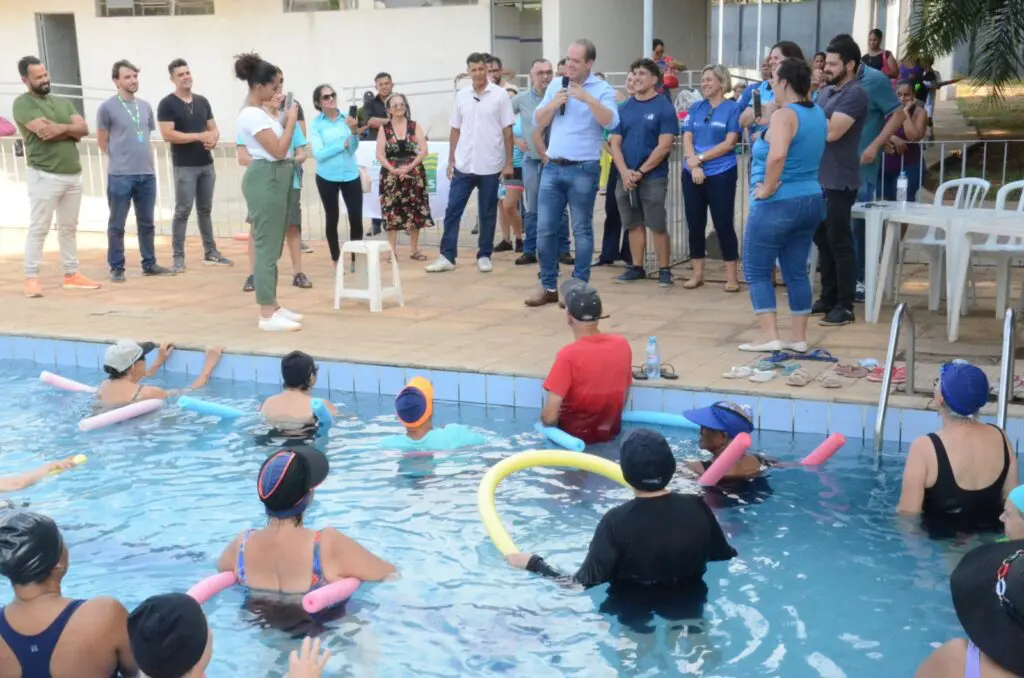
[
  {"x": 875, "y": 33},
  {"x": 589, "y": 50},
  {"x": 477, "y": 58},
  {"x": 318, "y": 92},
  {"x": 252, "y": 69},
  {"x": 175, "y": 65},
  {"x": 647, "y": 65},
  {"x": 115, "y": 72},
  {"x": 25, "y": 62},
  {"x": 382, "y": 74},
  {"x": 846, "y": 48},
  {"x": 797, "y": 73},
  {"x": 31, "y": 547},
  {"x": 658, "y": 42},
  {"x": 789, "y": 49}
]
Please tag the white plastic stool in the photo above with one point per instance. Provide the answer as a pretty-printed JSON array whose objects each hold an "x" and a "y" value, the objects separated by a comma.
[{"x": 375, "y": 291}]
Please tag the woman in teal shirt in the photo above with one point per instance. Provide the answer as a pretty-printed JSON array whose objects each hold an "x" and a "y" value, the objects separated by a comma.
[{"x": 334, "y": 140}]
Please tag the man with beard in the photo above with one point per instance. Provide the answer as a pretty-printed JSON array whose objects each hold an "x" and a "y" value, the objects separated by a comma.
[
  {"x": 124, "y": 124},
  {"x": 51, "y": 128}
]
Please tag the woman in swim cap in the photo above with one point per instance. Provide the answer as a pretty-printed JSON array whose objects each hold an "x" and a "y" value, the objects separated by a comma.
[
  {"x": 959, "y": 477},
  {"x": 285, "y": 557},
  {"x": 42, "y": 633},
  {"x": 1012, "y": 516},
  {"x": 290, "y": 412}
]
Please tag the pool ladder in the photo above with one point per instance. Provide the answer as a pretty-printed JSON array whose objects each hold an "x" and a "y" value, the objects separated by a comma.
[{"x": 1005, "y": 368}]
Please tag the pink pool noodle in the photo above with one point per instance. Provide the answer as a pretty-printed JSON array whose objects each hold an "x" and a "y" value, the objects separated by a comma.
[
  {"x": 737, "y": 448},
  {"x": 212, "y": 585},
  {"x": 330, "y": 595},
  {"x": 825, "y": 450},
  {"x": 120, "y": 414},
  {"x": 64, "y": 383}
]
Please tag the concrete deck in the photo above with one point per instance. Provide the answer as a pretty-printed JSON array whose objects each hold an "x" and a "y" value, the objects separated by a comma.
[{"x": 464, "y": 319}]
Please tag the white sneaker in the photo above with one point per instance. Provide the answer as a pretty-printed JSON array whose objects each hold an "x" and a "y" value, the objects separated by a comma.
[
  {"x": 278, "y": 323},
  {"x": 484, "y": 265},
  {"x": 766, "y": 347},
  {"x": 797, "y": 346},
  {"x": 440, "y": 266},
  {"x": 288, "y": 315}
]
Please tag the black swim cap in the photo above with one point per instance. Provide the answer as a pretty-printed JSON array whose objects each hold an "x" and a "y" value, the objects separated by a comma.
[
  {"x": 30, "y": 547},
  {"x": 168, "y": 634}
]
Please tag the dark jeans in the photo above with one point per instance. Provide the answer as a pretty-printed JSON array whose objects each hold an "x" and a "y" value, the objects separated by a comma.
[
  {"x": 193, "y": 185},
  {"x": 717, "y": 193},
  {"x": 461, "y": 188},
  {"x": 123, "y": 192},
  {"x": 836, "y": 257},
  {"x": 611, "y": 251},
  {"x": 352, "y": 194}
]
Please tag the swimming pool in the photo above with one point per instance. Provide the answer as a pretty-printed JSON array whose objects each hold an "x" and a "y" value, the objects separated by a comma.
[{"x": 827, "y": 583}]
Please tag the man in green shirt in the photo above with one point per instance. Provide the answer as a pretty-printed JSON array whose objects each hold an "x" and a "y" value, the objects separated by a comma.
[{"x": 51, "y": 128}]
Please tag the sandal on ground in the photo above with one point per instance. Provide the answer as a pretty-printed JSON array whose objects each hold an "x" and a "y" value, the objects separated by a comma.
[
  {"x": 668, "y": 372},
  {"x": 851, "y": 371},
  {"x": 899, "y": 375},
  {"x": 790, "y": 369},
  {"x": 831, "y": 380},
  {"x": 693, "y": 283},
  {"x": 762, "y": 377},
  {"x": 818, "y": 355},
  {"x": 800, "y": 377},
  {"x": 639, "y": 374},
  {"x": 738, "y": 372},
  {"x": 418, "y": 256},
  {"x": 732, "y": 288}
]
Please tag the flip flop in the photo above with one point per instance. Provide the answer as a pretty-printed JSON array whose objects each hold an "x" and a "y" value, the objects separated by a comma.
[
  {"x": 761, "y": 377},
  {"x": 692, "y": 284},
  {"x": 639, "y": 374},
  {"x": 732, "y": 289},
  {"x": 899, "y": 375},
  {"x": 851, "y": 371},
  {"x": 829, "y": 379},
  {"x": 418, "y": 256},
  {"x": 668, "y": 372},
  {"x": 738, "y": 372},
  {"x": 791, "y": 369},
  {"x": 799, "y": 378}
]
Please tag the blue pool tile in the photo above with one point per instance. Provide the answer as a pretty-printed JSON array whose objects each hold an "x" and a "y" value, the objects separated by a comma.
[
  {"x": 366, "y": 379},
  {"x": 268, "y": 369},
  {"x": 229, "y": 364},
  {"x": 45, "y": 351},
  {"x": 392, "y": 379},
  {"x": 705, "y": 398},
  {"x": 529, "y": 392},
  {"x": 89, "y": 355},
  {"x": 774, "y": 414},
  {"x": 675, "y": 401},
  {"x": 915, "y": 423},
  {"x": 646, "y": 399},
  {"x": 846, "y": 419},
  {"x": 446, "y": 386},
  {"x": 194, "y": 361},
  {"x": 472, "y": 388},
  {"x": 65, "y": 354},
  {"x": 891, "y": 430},
  {"x": 177, "y": 362},
  {"x": 6, "y": 347},
  {"x": 501, "y": 390},
  {"x": 810, "y": 416},
  {"x": 1013, "y": 431},
  {"x": 23, "y": 349},
  {"x": 339, "y": 376}
]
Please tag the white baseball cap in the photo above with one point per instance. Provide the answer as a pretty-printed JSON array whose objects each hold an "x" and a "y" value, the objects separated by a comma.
[{"x": 121, "y": 356}]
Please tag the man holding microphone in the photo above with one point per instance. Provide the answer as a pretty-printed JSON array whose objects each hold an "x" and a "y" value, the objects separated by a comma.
[{"x": 578, "y": 108}]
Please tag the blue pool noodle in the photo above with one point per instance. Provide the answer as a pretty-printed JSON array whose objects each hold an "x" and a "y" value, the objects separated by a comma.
[
  {"x": 658, "y": 419},
  {"x": 324, "y": 418},
  {"x": 560, "y": 437},
  {"x": 213, "y": 409}
]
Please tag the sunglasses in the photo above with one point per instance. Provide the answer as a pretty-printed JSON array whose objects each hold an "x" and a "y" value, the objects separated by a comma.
[{"x": 328, "y": 97}]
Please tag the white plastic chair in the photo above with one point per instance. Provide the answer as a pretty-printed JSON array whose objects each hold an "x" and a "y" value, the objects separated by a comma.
[
  {"x": 375, "y": 292},
  {"x": 969, "y": 194},
  {"x": 1001, "y": 249}
]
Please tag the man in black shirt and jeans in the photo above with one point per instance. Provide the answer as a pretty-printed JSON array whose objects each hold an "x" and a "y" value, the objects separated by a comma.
[
  {"x": 375, "y": 114},
  {"x": 653, "y": 549},
  {"x": 187, "y": 124}
]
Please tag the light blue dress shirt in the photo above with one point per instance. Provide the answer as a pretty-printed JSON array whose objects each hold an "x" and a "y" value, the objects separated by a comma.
[
  {"x": 334, "y": 148},
  {"x": 577, "y": 135}
]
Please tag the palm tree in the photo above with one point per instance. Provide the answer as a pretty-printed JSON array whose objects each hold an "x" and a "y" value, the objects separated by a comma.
[{"x": 993, "y": 28}]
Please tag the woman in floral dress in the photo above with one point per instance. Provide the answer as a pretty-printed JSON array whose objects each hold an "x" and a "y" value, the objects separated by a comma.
[{"x": 401, "y": 150}]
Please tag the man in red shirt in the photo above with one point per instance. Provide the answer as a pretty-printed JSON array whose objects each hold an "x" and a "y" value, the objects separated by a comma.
[{"x": 588, "y": 384}]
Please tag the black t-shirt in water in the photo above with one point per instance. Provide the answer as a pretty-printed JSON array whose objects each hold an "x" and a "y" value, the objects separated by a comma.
[
  {"x": 659, "y": 543},
  {"x": 190, "y": 118}
]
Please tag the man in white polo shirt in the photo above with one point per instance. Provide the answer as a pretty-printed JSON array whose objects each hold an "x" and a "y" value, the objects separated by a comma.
[{"x": 480, "y": 152}]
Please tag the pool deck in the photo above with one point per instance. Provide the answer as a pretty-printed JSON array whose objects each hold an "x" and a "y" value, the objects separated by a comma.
[{"x": 465, "y": 320}]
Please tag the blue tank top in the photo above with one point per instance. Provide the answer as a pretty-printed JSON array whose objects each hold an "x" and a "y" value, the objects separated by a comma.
[
  {"x": 517, "y": 132},
  {"x": 34, "y": 653},
  {"x": 800, "y": 173}
]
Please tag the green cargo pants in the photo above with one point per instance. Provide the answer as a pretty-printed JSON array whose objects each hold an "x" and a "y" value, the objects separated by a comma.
[{"x": 267, "y": 187}]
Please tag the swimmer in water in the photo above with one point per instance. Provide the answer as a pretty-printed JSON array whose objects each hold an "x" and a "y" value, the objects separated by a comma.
[
  {"x": 414, "y": 406},
  {"x": 1012, "y": 516},
  {"x": 125, "y": 363},
  {"x": 290, "y": 412},
  {"x": 719, "y": 424},
  {"x": 170, "y": 637},
  {"x": 285, "y": 557},
  {"x": 42, "y": 633},
  {"x": 15, "y": 483}
]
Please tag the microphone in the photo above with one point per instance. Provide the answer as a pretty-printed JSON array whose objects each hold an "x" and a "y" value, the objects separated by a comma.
[
  {"x": 476, "y": 99},
  {"x": 565, "y": 85}
]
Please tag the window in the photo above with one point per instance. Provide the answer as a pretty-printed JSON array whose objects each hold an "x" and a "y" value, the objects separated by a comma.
[
  {"x": 319, "y": 5},
  {"x": 402, "y": 4},
  {"x": 153, "y": 7}
]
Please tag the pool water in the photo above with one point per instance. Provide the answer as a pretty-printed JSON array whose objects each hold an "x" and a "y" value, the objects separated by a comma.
[{"x": 827, "y": 582}]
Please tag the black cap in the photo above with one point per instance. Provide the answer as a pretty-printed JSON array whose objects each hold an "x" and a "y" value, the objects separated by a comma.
[
  {"x": 31, "y": 546},
  {"x": 297, "y": 369},
  {"x": 287, "y": 476},
  {"x": 581, "y": 301},
  {"x": 168, "y": 635},
  {"x": 647, "y": 461}
]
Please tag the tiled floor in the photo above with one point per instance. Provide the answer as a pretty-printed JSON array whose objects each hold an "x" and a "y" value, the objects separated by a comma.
[{"x": 461, "y": 320}]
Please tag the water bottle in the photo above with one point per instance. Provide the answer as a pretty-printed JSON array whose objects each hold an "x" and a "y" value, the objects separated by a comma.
[
  {"x": 901, "y": 191},
  {"x": 653, "y": 363}
]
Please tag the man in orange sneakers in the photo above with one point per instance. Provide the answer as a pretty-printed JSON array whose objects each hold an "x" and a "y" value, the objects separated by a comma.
[{"x": 51, "y": 128}]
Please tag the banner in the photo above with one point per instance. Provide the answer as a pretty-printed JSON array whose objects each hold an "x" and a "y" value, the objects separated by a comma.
[{"x": 436, "y": 165}]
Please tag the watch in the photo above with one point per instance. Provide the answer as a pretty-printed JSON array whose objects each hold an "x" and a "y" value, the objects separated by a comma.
[{"x": 700, "y": 158}]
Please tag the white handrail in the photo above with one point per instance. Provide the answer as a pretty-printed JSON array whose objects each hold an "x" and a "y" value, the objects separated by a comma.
[{"x": 902, "y": 312}]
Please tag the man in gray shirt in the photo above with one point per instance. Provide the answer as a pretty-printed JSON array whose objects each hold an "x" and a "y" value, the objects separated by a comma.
[
  {"x": 846, "y": 105},
  {"x": 124, "y": 124}
]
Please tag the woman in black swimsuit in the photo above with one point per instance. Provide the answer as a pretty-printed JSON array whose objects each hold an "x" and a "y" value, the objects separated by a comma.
[{"x": 959, "y": 477}]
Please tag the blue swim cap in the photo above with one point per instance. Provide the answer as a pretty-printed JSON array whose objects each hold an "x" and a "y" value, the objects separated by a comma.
[
  {"x": 964, "y": 387},
  {"x": 1016, "y": 496}
]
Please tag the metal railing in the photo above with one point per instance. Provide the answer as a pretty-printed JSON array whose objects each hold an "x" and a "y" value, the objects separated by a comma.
[
  {"x": 1006, "y": 367},
  {"x": 902, "y": 313}
]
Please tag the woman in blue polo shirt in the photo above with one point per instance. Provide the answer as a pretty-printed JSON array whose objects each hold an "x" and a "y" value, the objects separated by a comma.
[{"x": 710, "y": 134}]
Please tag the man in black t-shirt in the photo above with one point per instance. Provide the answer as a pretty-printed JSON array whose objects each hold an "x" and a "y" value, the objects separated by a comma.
[
  {"x": 187, "y": 124},
  {"x": 375, "y": 114},
  {"x": 653, "y": 549}
]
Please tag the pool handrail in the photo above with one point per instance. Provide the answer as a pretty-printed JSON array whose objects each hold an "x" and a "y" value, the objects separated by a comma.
[
  {"x": 902, "y": 312},
  {"x": 1006, "y": 366}
]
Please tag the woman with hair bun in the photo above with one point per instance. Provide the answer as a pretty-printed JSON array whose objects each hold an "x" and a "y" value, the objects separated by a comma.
[{"x": 267, "y": 183}]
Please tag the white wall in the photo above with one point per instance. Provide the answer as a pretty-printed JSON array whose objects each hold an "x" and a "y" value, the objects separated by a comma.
[
  {"x": 614, "y": 26},
  {"x": 345, "y": 48},
  {"x": 517, "y": 35}
]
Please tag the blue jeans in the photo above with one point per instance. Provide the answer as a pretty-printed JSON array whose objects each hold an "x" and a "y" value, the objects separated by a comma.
[
  {"x": 461, "y": 188},
  {"x": 867, "y": 192},
  {"x": 122, "y": 193},
  {"x": 783, "y": 230},
  {"x": 532, "y": 170},
  {"x": 574, "y": 185}
]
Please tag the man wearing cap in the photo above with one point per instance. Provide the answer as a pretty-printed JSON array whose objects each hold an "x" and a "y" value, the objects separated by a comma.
[
  {"x": 960, "y": 477},
  {"x": 125, "y": 363},
  {"x": 291, "y": 410},
  {"x": 170, "y": 637},
  {"x": 588, "y": 384},
  {"x": 657, "y": 543},
  {"x": 414, "y": 406},
  {"x": 719, "y": 424},
  {"x": 42, "y": 633}
]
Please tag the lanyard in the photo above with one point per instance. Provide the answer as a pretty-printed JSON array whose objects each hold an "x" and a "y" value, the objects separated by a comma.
[{"x": 136, "y": 116}]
